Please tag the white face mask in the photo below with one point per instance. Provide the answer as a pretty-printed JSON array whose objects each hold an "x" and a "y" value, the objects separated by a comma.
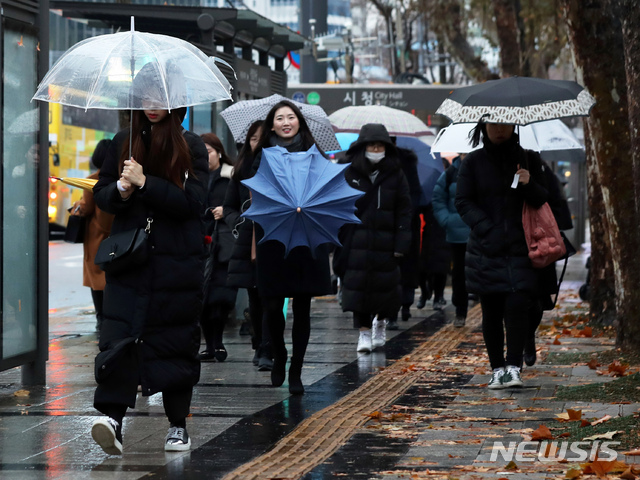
[{"x": 374, "y": 157}]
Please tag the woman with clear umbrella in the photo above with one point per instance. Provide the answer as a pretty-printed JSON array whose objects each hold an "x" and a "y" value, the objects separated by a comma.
[{"x": 150, "y": 334}]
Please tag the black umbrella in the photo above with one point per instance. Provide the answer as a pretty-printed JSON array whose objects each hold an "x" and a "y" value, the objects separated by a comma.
[{"x": 517, "y": 101}]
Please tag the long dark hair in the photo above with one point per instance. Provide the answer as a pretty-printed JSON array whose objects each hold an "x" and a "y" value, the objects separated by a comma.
[
  {"x": 163, "y": 150},
  {"x": 304, "y": 131},
  {"x": 214, "y": 142},
  {"x": 245, "y": 155}
]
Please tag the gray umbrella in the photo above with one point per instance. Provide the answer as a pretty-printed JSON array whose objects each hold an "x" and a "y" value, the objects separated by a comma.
[{"x": 241, "y": 115}]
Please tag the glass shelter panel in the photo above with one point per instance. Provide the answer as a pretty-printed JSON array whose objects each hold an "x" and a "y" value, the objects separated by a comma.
[{"x": 19, "y": 195}]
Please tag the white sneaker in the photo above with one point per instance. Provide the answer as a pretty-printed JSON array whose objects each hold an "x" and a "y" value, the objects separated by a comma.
[
  {"x": 512, "y": 377},
  {"x": 496, "y": 379},
  {"x": 108, "y": 434},
  {"x": 378, "y": 333},
  {"x": 177, "y": 440},
  {"x": 364, "y": 342}
]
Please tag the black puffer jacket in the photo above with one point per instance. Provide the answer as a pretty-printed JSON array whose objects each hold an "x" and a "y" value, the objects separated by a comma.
[
  {"x": 497, "y": 258},
  {"x": 371, "y": 282},
  {"x": 409, "y": 263},
  {"x": 156, "y": 305},
  {"x": 241, "y": 272},
  {"x": 222, "y": 245}
]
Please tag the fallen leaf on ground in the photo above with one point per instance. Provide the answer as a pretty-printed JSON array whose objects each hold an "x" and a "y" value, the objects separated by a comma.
[
  {"x": 593, "y": 364},
  {"x": 21, "y": 393},
  {"x": 601, "y": 467},
  {"x": 628, "y": 475},
  {"x": 618, "y": 369},
  {"x": 572, "y": 473},
  {"x": 541, "y": 433},
  {"x": 602, "y": 436},
  {"x": 601, "y": 420},
  {"x": 570, "y": 415},
  {"x": 511, "y": 466}
]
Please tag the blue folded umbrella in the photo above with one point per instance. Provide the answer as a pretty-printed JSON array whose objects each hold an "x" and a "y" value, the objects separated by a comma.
[{"x": 300, "y": 198}]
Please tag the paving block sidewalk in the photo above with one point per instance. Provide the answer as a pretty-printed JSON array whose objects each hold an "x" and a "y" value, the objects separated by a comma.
[{"x": 450, "y": 419}]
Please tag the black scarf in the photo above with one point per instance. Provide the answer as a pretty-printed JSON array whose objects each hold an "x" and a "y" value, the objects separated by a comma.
[{"x": 294, "y": 146}]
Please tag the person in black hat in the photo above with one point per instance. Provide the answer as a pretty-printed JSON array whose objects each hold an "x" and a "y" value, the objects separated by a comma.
[{"x": 372, "y": 250}]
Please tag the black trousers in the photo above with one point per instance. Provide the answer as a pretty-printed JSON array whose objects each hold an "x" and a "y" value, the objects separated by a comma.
[
  {"x": 362, "y": 320},
  {"x": 460, "y": 297},
  {"x": 214, "y": 317},
  {"x": 510, "y": 312},
  {"x": 98, "y": 299},
  {"x": 177, "y": 404},
  {"x": 300, "y": 331},
  {"x": 261, "y": 336}
]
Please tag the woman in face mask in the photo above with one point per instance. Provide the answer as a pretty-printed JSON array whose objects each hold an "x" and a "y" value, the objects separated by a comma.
[{"x": 371, "y": 276}]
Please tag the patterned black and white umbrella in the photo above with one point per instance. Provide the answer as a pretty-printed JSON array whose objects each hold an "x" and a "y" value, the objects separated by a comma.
[
  {"x": 517, "y": 101},
  {"x": 241, "y": 115}
]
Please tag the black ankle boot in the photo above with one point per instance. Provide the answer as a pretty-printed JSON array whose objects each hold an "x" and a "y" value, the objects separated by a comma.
[
  {"x": 278, "y": 372},
  {"x": 295, "y": 383}
]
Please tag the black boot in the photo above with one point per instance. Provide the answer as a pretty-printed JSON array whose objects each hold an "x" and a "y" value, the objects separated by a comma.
[
  {"x": 295, "y": 383},
  {"x": 278, "y": 372},
  {"x": 530, "y": 351}
]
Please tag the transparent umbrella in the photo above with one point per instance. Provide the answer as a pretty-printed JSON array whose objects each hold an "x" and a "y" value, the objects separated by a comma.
[{"x": 104, "y": 72}]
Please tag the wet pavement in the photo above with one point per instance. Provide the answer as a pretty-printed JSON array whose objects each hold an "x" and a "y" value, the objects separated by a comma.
[{"x": 440, "y": 376}]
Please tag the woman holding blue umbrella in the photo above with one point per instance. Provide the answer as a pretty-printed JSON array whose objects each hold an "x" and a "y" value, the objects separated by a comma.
[{"x": 302, "y": 274}]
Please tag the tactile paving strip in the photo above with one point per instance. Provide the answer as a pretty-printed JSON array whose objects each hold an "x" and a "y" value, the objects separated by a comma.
[{"x": 317, "y": 437}]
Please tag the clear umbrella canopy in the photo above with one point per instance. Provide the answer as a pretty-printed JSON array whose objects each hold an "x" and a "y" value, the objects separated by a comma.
[{"x": 133, "y": 70}]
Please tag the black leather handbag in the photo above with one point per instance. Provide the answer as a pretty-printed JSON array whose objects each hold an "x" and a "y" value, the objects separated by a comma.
[{"x": 125, "y": 250}]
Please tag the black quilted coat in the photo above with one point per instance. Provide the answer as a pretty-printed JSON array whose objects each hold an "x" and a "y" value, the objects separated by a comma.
[
  {"x": 497, "y": 256},
  {"x": 150, "y": 334},
  {"x": 371, "y": 282}
]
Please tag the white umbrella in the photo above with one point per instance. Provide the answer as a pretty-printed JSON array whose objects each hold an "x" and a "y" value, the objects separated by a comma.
[
  {"x": 544, "y": 137},
  {"x": 397, "y": 122}
]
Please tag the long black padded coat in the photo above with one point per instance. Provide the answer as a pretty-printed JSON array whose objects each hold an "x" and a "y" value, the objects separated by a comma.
[
  {"x": 150, "y": 334},
  {"x": 241, "y": 272},
  {"x": 497, "y": 258},
  {"x": 372, "y": 278}
]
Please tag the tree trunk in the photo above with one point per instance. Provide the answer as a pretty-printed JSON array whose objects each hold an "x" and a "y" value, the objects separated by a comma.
[
  {"x": 447, "y": 21},
  {"x": 630, "y": 334},
  {"x": 602, "y": 290},
  {"x": 597, "y": 43},
  {"x": 508, "y": 36}
]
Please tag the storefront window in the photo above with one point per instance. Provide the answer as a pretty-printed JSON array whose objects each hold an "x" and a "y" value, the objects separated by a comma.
[{"x": 19, "y": 193}]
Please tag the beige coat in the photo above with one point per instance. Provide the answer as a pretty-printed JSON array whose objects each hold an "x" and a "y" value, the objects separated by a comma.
[{"x": 97, "y": 228}]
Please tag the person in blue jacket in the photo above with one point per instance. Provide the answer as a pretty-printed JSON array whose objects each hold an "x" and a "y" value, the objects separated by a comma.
[{"x": 444, "y": 209}]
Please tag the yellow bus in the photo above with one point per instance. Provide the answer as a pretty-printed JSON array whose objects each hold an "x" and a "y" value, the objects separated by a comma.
[{"x": 73, "y": 135}]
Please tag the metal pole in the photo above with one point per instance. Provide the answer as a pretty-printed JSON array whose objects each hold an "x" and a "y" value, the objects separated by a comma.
[{"x": 400, "y": 36}]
